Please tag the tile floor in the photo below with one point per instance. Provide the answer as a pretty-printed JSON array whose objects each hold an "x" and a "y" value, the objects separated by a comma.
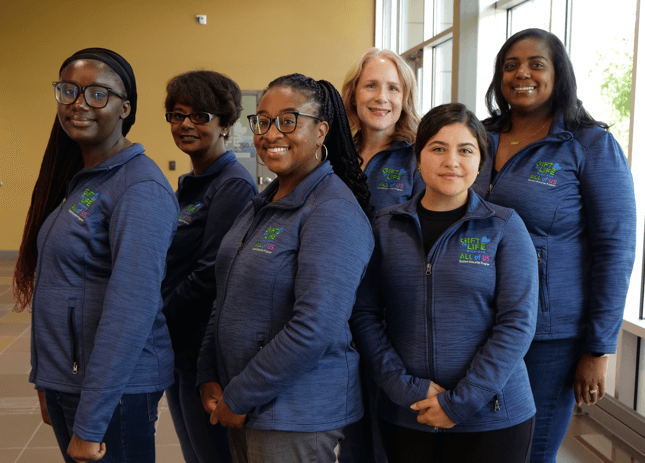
[{"x": 24, "y": 438}]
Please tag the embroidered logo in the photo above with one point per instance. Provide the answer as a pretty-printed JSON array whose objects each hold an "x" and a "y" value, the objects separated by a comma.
[
  {"x": 475, "y": 251},
  {"x": 545, "y": 173},
  {"x": 187, "y": 215},
  {"x": 267, "y": 243},
  {"x": 81, "y": 209},
  {"x": 392, "y": 179}
]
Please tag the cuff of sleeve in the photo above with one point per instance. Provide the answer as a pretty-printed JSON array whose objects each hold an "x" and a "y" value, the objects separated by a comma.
[
  {"x": 232, "y": 404},
  {"x": 603, "y": 348}
]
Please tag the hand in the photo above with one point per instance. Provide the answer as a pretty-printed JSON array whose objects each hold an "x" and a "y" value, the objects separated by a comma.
[
  {"x": 591, "y": 374},
  {"x": 434, "y": 389},
  {"x": 82, "y": 451},
  {"x": 432, "y": 414},
  {"x": 43, "y": 408},
  {"x": 226, "y": 417},
  {"x": 211, "y": 393}
]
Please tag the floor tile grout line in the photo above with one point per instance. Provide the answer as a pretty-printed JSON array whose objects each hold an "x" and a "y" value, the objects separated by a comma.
[
  {"x": 12, "y": 342},
  {"x": 27, "y": 444},
  {"x": 6, "y": 290}
]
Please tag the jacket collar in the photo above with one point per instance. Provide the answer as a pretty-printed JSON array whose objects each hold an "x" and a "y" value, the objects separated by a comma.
[
  {"x": 557, "y": 132},
  {"x": 118, "y": 159},
  {"x": 215, "y": 167},
  {"x": 300, "y": 193},
  {"x": 396, "y": 146},
  {"x": 476, "y": 207}
]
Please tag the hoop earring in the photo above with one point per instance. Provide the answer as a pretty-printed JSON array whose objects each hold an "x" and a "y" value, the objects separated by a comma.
[
  {"x": 326, "y": 153},
  {"x": 257, "y": 159}
]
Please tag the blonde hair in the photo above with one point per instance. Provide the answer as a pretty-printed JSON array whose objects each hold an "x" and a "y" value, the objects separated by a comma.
[{"x": 406, "y": 126}]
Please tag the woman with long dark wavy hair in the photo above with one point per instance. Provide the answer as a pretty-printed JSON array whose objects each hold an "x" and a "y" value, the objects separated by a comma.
[
  {"x": 91, "y": 262},
  {"x": 568, "y": 179}
]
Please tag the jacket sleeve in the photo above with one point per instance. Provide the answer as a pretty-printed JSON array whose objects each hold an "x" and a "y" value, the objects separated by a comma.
[
  {"x": 206, "y": 361},
  {"x": 224, "y": 207},
  {"x": 516, "y": 297},
  {"x": 610, "y": 207},
  {"x": 325, "y": 289},
  {"x": 140, "y": 231},
  {"x": 382, "y": 360}
]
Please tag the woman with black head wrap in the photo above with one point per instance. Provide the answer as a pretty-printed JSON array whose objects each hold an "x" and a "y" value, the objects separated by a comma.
[
  {"x": 91, "y": 262},
  {"x": 276, "y": 364}
]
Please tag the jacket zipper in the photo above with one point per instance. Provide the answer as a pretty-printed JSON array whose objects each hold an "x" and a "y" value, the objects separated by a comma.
[
  {"x": 490, "y": 186},
  {"x": 497, "y": 409},
  {"x": 72, "y": 334}
]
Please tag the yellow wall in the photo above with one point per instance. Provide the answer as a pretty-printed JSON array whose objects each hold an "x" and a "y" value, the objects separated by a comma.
[{"x": 252, "y": 41}]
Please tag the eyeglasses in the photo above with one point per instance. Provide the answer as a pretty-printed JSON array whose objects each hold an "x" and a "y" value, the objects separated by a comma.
[
  {"x": 96, "y": 96},
  {"x": 285, "y": 122},
  {"x": 195, "y": 118}
]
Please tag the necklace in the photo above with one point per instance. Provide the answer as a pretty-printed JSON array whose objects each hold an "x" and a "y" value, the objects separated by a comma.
[{"x": 530, "y": 136}]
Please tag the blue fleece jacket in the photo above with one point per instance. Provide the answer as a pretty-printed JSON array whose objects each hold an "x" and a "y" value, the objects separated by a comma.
[
  {"x": 278, "y": 340},
  {"x": 392, "y": 176},
  {"x": 575, "y": 193},
  {"x": 462, "y": 316},
  {"x": 97, "y": 325},
  {"x": 209, "y": 203}
]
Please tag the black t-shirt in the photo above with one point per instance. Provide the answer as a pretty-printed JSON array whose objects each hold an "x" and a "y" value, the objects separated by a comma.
[{"x": 434, "y": 223}]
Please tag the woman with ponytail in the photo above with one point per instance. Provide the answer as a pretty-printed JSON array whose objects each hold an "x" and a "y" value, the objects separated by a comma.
[
  {"x": 91, "y": 262},
  {"x": 276, "y": 365}
]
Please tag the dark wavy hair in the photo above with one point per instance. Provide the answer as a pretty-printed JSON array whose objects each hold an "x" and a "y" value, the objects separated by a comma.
[
  {"x": 206, "y": 91},
  {"x": 565, "y": 90},
  {"x": 343, "y": 155},
  {"x": 448, "y": 114}
]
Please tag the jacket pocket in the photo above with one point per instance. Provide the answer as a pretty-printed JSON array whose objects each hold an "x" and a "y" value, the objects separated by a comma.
[
  {"x": 261, "y": 339},
  {"x": 544, "y": 289},
  {"x": 73, "y": 337}
]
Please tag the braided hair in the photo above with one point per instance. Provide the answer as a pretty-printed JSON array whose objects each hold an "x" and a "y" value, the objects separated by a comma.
[
  {"x": 61, "y": 161},
  {"x": 343, "y": 154}
]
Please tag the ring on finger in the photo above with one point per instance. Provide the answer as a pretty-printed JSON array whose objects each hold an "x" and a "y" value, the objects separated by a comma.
[{"x": 593, "y": 391}]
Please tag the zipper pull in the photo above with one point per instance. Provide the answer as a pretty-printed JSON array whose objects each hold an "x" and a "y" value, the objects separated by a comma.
[
  {"x": 497, "y": 405},
  {"x": 490, "y": 188},
  {"x": 539, "y": 258},
  {"x": 75, "y": 368},
  {"x": 428, "y": 268}
]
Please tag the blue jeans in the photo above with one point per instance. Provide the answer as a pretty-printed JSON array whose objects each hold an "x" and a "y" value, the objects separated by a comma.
[
  {"x": 552, "y": 367},
  {"x": 256, "y": 446},
  {"x": 201, "y": 442},
  {"x": 130, "y": 435}
]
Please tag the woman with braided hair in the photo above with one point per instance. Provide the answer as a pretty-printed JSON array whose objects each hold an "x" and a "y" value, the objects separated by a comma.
[
  {"x": 91, "y": 262},
  {"x": 276, "y": 365}
]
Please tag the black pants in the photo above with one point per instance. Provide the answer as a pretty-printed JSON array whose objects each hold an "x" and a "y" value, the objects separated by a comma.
[{"x": 510, "y": 445}]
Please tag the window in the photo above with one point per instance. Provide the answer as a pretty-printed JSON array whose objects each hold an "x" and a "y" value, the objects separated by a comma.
[{"x": 421, "y": 31}]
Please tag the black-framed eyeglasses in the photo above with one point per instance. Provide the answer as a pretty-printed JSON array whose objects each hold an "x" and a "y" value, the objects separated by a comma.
[
  {"x": 285, "y": 122},
  {"x": 96, "y": 96},
  {"x": 196, "y": 118}
]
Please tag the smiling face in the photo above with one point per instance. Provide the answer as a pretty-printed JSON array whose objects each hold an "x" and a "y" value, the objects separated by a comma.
[
  {"x": 528, "y": 77},
  {"x": 93, "y": 127},
  {"x": 291, "y": 156},
  {"x": 449, "y": 162},
  {"x": 379, "y": 96},
  {"x": 200, "y": 141}
]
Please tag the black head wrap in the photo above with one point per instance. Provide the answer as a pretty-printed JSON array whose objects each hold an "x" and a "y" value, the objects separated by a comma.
[{"x": 119, "y": 65}]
